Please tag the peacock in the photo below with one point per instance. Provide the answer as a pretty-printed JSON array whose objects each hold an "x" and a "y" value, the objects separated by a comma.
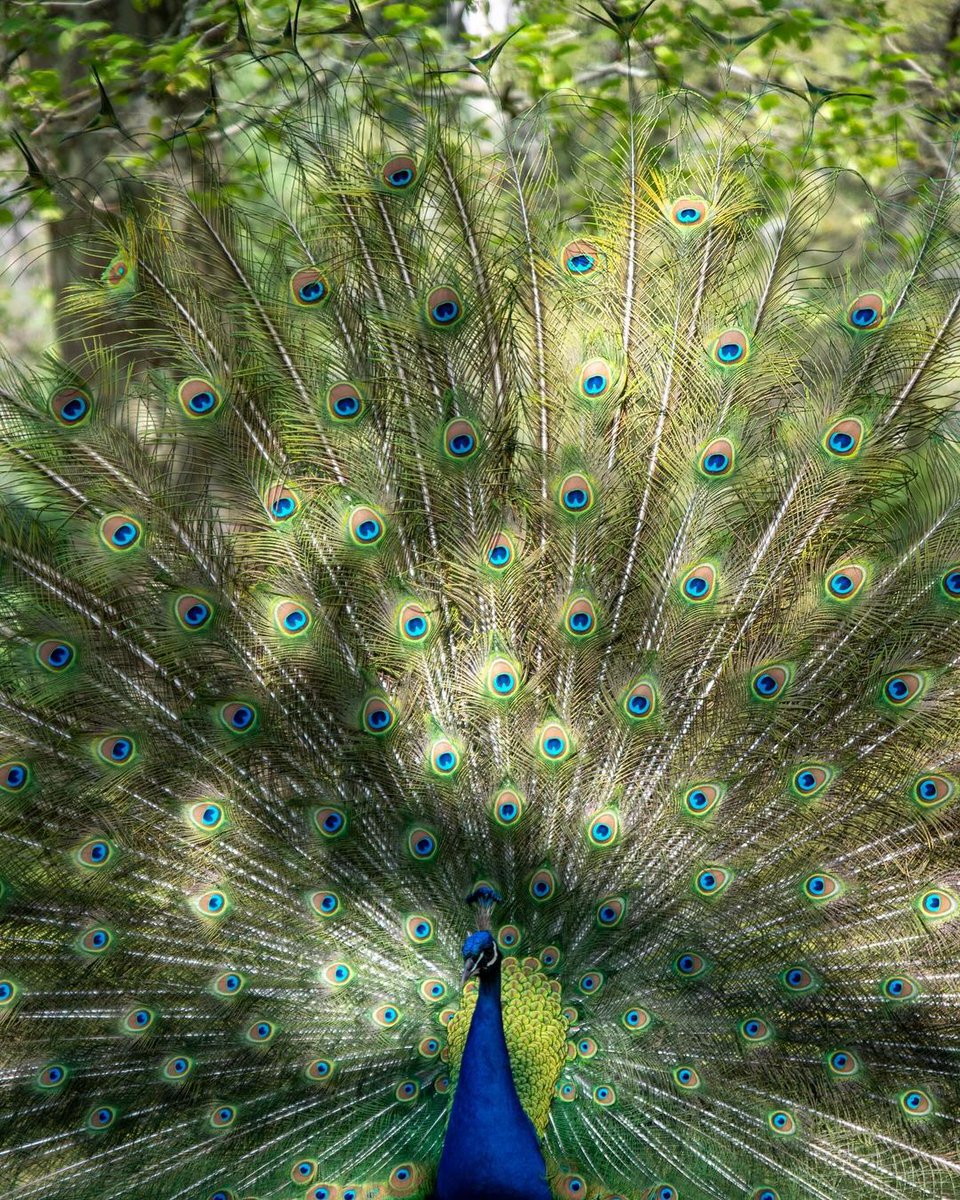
[{"x": 480, "y": 667}]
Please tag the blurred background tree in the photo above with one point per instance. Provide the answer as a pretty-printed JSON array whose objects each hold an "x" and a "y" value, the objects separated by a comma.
[{"x": 90, "y": 84}]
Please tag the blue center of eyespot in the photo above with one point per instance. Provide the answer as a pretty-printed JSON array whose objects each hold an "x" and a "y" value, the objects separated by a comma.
[
  {"x": 841, "y": 442},
  {"x": 59, "y": 656},
  {"x": 103, "y": 1115},
  {"x": 403, "y": 1174},
  {"x": 328, "y": 903},
  {"x": 688, "y": 215},
  {"x": 332, "y": 822},
  {"x": 503, "y": 682},
  {"x": 795, "y": 978},
  {"x": 400, "y": 178},
  {"x": 751, "y": 1028},
  {"x": 579, "y": 264},
  {"x": 263, "y": 1030},
  {"x": 928, "y": 789},
  {"x": 553, "y": 746},
  {"x": 6, "y": 991},
  {"x": 55, "y": 1074},
  {"x": 806, "y": 781},
  {"x": 311, "y": 292},
  {"x": 841, "y": 584},
  {"x": 839, "y": 1061},
  {"x": 389, "y": 1014},
  {"x": 608, "y": 914},
  {"x": 283, "y": 507},
  {"x": 215, "y": 903},
  {"x": 196, "y": 614},
  {"x": 436, "y": 990},
  {"x": 367, "y": 530},
  {"x": 581, "y": 621},
  {"x": 225, "y": 1114},
  {"x": 780, "y": 1120},
  {"x": 445, "y": 312},
  {"x": 686, "y": 963},
  {"x": 895, "y": 987},
  {"x": 638, "y": 704},
  {"x": 121, "y": 749},
  {"x": 295, "y": 620},
  {"x": 952, "y": 583},
  {"x": 708, "y": 881},
  {"x": 340, "y": 973},
  {"x": 914, "y": 1100},
  {"x": 541, "y": 887},
  {"x": 697, "y": 586},
  {"x": 461, "y": 444},
  {"x": 697, "y": 799},
  {"x": 210, "y": 815},
  {"x": 379, "y": 718},
  {"x": 588, "y": 984},
  {"x": 508, "y": 811},
  {"x": 602, "y": 831},
  {"x": 499, "y": 555},
  {"x": 716, "y": 462},
  {"x": 864, "y": 316},
  {"x": 446, "y": 761},
  {"x": 817, "y": 884},
  {"x": 594, "y": 385},
  {"x": 897, "y": 689},
  {"x": 242, "y": 717},
  {"x": 180, "y": 1065},
  {"x": 767, "y": 685},
  {"x": 202, "y": 402},
  {"x": 666, "y": 1193},
  {"x": 415, "y": 627},
  {"x": 232, "y": 982},
  {"x": 141, "y": 1017},
  {"x": 16, "y": 776},
  {"x": 124, "y": 535},
  {"x": 74, "y": 409},
  {"x": 347, "y": 406},
  {"x": 422, "y": 929},
  {"x": 768, "y": 1195},
  {"x": 684, "y": 1076},
  {"x": 729, "y": 352},
  {"x": 933, "y": 902},
  {"x": 99, "y": 938},
  {"x": 98, "y": 851},
  {"x": 424, "y": 845},
  {"x": 575, "y": 498}
]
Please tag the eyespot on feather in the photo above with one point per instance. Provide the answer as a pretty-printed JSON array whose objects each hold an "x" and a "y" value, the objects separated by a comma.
[
  {"x": 281, "y": 503},
  {"x": 782, "y": 1122},
  {"x": 699, "y": 584},
  {"x": 580, "y": 259},
  {"x": 845, "y": 582},
  {"x": 866, "y": 312},
  {"x": 96, "y": 853},
  {"x": 419, "y": 929},
  {"x": 365, "y": 526},
  {"x": 717, "y": 459},
  {"x": 933, "y": 790},
  {"x": 553, "y": 743},
  {"x": 331, "y": 821},
  {"x": 821, "y": 887},
  {"x": 460, "y": 441},
  {"x": 422, "y": 843},
  {"x": 445, "y": 759},
  {"x": 640, "y": 700},
  {"x": 688, "y": 212},
  {"x": 443, "y": 308},
  {"x": 575, "y": 495},
  {"x": 842, "y": 1064},
  {"x": 903, "y": 688},
  {"x": 810, "y": 780},
  {"x": 595, "y": 380},
  {"x": 238, "y": 716},
  {"x": 55, "y": 655},
  {"x": 500, "y": 551},
  {"x": 731, "y": 348},
  {"x": 686, "y": 1077},
  {"x": 193, "y": 612},
  {"x": 15, "y": 776},
  {"x": 292, "y": 618},
  {"x": 377, "y": 715},
  {"x": 198, "y": 397},
  {"x": 770, "y": 683},
  {"x": 899, "y": 987},
  {"x": 309, "y": 288},
  {"x": 701, "y": 799},
  {"x": 345, "y": 402},
  {"x": 543, "y": 885},
  {"x": 580, "y": 619},
  {"x": 120, "y": 532},
  {"x": 399, "y": 173},
  {"x": 844, "y": 438},
  {"x": 71, "y": 406}
]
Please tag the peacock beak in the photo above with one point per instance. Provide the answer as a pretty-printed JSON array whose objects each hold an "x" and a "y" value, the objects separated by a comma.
[{"x": 470, "y": 967}]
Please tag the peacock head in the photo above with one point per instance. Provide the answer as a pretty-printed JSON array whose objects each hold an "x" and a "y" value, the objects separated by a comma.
[{"x": 481, "y": 956}]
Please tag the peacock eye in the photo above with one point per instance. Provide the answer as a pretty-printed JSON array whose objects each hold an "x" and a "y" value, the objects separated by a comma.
[
  {"x": 846, "y": 583},
  {"x": 444, "y": 309},
  {"x": 198, "y": 397},
  {"x": 71, "y": 406},
  {"x": 386, "y": 1015},
  {"x": 581, "y": 617},
  {"x": 422, "y": 843},
  {"x": 261, "y": 1032},
  {"x": 930, "y": 791},
  {"x": 330, "y": 822},
  {"x": 193, "y": 612},
  {"x": 699, "y": 584},
  {"x": 116, "y": 750},
  {"x": 55, "y": 655},
  {"x": 781, "y": 1122},
  {"x": 902, "y": 689},
  {"x": 554, "y": 744},
  {"x": 408, "y": 1090},
  {"x": 936, "y": 905},
  {"x": 769, "y": 683},
  {"x": 337, "y": 974},
  {"x": 688, "y": 212},
  {"x": 433, "y": 990},
  {"x": 702, "y": 799},
  {"x": 507, "y": 808},
  {"x": 96, "y": 940},
  {"x": 281, "y": 503},
  {"x": 842, "y": 1063},
  {"x": 502, "y": 678},
  {"x": 596, "y": 379},
  {"x": 292, "y": 618},
  {"x": 208, "y": 816},
  {"x": 419, "y": 929},
  {"x": 413, "y": 622},
  {"x": 230, "y": 983},
  {"x": 178, "y": 1067},
  {"x": 798, "y": 979},
  {"x": 731, "y": 348},
  {"x": 590, "y": 983},
  {"x": 14, "y": 776},
  {"x": 120, "y": 531},
  {"x": 238, "y": 716},
  {"x": 53, "y": 1076},
  {"x": 610, "y": 912},
  {"x": 635, "y": 1019},
  {"x": 308, "y": 287},
  {"x": 325, "y": 904},
  {"x": 950, "y": 583},
  {"x": 500, "y": 551},
  {"x": 95, "y": 853},
  {"x": 716, "y": 458},
  {"x": 604, "y": 828},
  {"x": 223, "y": 1116},
  {"x": 365, "y": 526},
  {"x": 460, "y": 440},
  {"x": 508, "y": 937},
  {"x": 400, "y": 172},
  {"x": 580, "y": 258},
  {"x": 640, "y": 700},
  {"x": 212, "y": 903},
  {"x": 319, "y": 1069},
  {"x": 711, "y": 881},
  {"x": 915, "y": 1103},
  {"x": 303, "y": 1171},
  {"x": 344, "y": 402},
  {"x": 542, "y": 885},
  {"x": 821, "y": 887},
  {"x": 576, "y": 494},
  {"x": 844, "y": 438},
  {"x": 604, "y": 1095},
  {"x": 690, "y": 964},
  {"x": 755, "y": 1029},
  {"x": 444, "y": 757},
  {"x": 686, "y": 1077},
  {"x": 809, "y": 781},
  {"x": 866, "y": 312},
  {"x": 765, "y": 1194},
  {"x": 899, "y": 987},
  {"x": 9, "y": 991},
  {"x": 101, "y": 1117}
]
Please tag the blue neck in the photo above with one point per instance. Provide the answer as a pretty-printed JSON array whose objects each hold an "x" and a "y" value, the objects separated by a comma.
[{"x": 491, "y": 1148}]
